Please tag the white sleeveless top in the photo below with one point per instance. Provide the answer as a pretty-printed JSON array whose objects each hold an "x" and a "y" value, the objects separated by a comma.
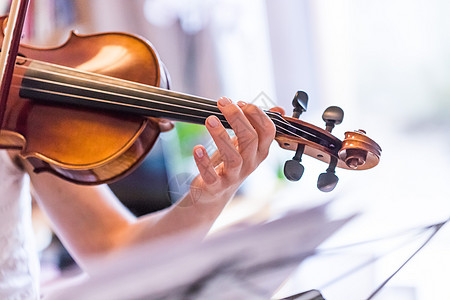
[{"x": 19, "y": 267}]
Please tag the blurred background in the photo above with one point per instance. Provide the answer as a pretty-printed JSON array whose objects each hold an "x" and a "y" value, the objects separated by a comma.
[{"x": 385, "y": 63}]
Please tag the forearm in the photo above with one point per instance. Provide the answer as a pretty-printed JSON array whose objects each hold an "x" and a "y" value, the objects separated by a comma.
[
  {"x": 188, "y": 214},
  {"x": 91, "y": 221}
]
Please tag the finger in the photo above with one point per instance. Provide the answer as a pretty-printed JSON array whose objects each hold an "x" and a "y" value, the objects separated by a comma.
[
  {"x": 278, "y": 110},
  {"x": 205, "y": 166},
  {"x": 245, "y": 133},
  {"x": 163, "y": 124},
  {"x": 263, "y": 126},
  {"x": 230, "y": 156},
  {"x": 216, "y": 158}
]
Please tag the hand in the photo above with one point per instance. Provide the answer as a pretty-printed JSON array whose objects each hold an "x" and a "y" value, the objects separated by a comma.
[
  {"x": 164, "y": 124},
  {"x": 236, "y": 158}
]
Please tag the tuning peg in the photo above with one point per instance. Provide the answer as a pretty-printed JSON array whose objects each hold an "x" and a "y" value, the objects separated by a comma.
[
  {"x": 293, "y": 169},
  {"x": 300, "y": 103},
  {"x": 332, "y": 116},
  {"x": 327, "y": 181}
]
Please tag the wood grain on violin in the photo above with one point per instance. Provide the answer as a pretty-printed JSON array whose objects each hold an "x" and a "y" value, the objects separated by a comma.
[
  {"x": 78, "y": 144},
  {"x": 81, "y": 111}
]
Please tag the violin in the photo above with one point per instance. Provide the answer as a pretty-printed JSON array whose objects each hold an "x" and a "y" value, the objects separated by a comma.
[{"x": 84, "y": 111}]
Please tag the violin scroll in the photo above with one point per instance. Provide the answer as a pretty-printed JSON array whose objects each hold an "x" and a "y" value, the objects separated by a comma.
[
  {"x": 356, "y": 152},
  {"x": 359, "y": 151}
]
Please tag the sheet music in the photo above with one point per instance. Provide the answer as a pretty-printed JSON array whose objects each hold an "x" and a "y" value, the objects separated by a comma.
[{"x": 249, "y": 263}]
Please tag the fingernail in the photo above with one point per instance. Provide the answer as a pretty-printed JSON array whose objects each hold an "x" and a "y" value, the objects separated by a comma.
[
  {"x": 241, "y": 104},
  {"x": 199, "y": 152},
  {"x": 224, "y": 101},
  {"x": 213, "y": 121}
]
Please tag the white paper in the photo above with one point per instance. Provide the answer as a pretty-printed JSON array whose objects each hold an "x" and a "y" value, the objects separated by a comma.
[{"x": 249, "y": 263}]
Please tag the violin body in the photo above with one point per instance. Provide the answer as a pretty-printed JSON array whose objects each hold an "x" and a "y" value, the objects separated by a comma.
[{"x": 86, "y": 146}]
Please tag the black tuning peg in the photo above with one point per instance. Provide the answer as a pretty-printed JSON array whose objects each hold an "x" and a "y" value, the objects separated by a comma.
[
  {"x": 300, "y": 103},
  {"x": 332, "y": 116},
  {"x": 293, "y": 169},
  {"x": 327, "y": 181}
]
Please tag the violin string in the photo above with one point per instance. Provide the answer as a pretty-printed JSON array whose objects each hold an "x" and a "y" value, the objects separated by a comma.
[
  {"x": 276, "y": 121},
  {"x": 289, "y": 130},
  {"x": 142, "y": 88},
  {"x": 158, "y": 92},
  {"x": 115, "y": 94},
  {"x": 155, "y": 109},
  {"x": 97, "y": 100},
  {"x": 122, "y": 104}
]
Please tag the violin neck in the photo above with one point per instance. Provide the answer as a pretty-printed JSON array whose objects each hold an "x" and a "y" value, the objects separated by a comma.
[
  {"x": 66, "y": 86},
  {"x": 57, "y": 84}
]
